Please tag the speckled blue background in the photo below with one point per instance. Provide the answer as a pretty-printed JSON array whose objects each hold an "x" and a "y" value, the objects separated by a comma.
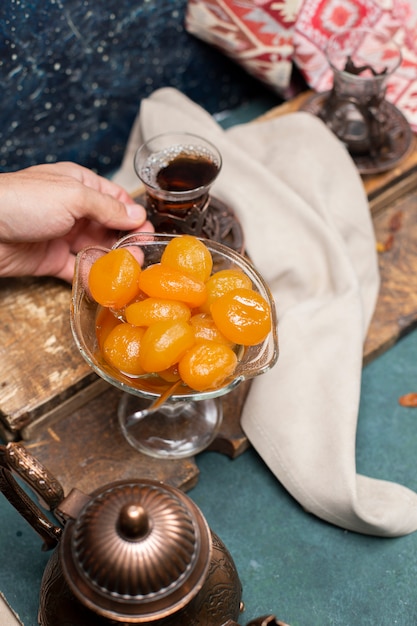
[{"x": 73, "y": 72}]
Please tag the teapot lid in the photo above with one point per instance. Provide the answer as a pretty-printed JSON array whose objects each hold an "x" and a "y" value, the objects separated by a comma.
[{"x": 138, "y": 551}]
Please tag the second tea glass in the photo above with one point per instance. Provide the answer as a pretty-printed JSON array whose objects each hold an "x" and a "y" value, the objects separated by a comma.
[
  {"x": 362, "y": 61},
  {"x": 356, "y": 109}
]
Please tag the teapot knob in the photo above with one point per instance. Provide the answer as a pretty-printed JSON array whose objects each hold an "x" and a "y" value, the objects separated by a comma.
[{"x": 133, "y": 522}]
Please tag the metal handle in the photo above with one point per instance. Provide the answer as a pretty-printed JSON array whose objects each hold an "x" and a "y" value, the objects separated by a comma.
[{"x": 14, "y": 458}]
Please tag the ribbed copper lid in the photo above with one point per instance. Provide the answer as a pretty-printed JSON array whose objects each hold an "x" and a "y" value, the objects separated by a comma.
[{"x": 138, "y": 549}]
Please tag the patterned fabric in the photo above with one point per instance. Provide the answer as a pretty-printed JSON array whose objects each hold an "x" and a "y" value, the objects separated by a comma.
[
  {"x": 318, "y": 20},
  {"x": 257, "y": 35},
  {"x": 266, "y": 37}
]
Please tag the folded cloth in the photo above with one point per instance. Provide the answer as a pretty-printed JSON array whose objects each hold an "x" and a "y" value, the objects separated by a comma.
[{"x": 309, "y": 232}]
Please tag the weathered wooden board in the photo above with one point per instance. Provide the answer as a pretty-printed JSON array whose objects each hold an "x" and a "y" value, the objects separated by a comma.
[
  {"x": 396, "y": 310},
  {"x": 40, "y": 367},
  {"x": 87, "y": 450}
]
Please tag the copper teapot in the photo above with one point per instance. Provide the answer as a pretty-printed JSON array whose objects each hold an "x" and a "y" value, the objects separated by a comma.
[{"x": 131, "y": 552}]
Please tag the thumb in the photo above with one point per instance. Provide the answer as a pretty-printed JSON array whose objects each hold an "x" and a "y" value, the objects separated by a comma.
[{"x": 109, "y": 211}]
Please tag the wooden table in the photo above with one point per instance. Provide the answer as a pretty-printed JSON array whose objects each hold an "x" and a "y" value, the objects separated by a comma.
[{"x": 66, "y": 414}]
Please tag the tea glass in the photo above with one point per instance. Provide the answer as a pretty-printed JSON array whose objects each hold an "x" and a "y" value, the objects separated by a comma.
[
  {"x": 157, "y": 418},
  {"x": 177, "y": 171},
  {"x": 356, "y": 110}
]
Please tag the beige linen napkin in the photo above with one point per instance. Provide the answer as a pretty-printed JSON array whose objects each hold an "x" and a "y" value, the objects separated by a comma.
[{"x": 308, "y": 230}]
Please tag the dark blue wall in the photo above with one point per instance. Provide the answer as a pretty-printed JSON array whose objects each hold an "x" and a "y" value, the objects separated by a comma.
[{"x": 73, "y": 72}]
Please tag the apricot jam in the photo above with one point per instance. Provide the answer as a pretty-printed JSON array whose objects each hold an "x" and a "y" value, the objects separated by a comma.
[{"x": 176, "y": 319}]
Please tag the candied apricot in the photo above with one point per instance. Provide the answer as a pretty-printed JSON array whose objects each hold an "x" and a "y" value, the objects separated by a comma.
[
  {"x": 164, "y": 343},
  {"x": 176, "y": 320},
  {"x": 159, "y": 281},
  {"x": 206, "y": 330},
  {"x": 243, "y": 316},
  {"x": 151, "y": 310},
  {"x": 223, "y": 281},
  {"x": 207, "y": 365},
  {"x": 105, "y": 322},
  {"x": 189, "y": 255},
  {"x": 122, "y": 347},
  {"x": 113, "y": 278}
]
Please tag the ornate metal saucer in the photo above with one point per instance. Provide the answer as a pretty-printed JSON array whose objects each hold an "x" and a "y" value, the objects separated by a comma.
[
  {"x": 399, "y": 136},
  {"x": 219, "y": 223}
]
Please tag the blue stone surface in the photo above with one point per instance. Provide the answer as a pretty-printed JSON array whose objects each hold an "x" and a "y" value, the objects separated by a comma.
[{"x": 73, "y": 73}]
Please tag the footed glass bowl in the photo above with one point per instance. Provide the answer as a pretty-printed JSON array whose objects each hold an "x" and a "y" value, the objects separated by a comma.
[{"x": 158, "y": 418}]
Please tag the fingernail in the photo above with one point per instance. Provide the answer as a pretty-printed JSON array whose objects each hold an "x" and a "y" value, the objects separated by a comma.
[{"x": 136, "y": 212}]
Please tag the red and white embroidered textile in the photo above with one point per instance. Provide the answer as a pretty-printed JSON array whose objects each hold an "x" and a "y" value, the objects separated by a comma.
[
  {"x": 318, "y": 20},
  {"x": 257, "y": 34},
  {"x": 267, "y": 36}
]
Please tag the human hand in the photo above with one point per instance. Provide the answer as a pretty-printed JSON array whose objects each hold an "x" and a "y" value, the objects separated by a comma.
[{"x": 48, "y": 213}]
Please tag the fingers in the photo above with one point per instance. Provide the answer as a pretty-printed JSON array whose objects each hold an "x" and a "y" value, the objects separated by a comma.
[
  {"x": 58, "y": 261},
  {"x": 66, "y": 273},
  {"x": 89, "y": 178},
  {"x": 48, "y": 212},
  {"x": 107, "y": 210},
  {"x": 104, "y": 185},
  {"x": 49, "y": 258},
  {"x": 102, "y": 200}
]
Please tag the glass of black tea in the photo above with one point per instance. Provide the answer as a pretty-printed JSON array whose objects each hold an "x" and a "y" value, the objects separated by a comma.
[{"x": 177, "y": 171}]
